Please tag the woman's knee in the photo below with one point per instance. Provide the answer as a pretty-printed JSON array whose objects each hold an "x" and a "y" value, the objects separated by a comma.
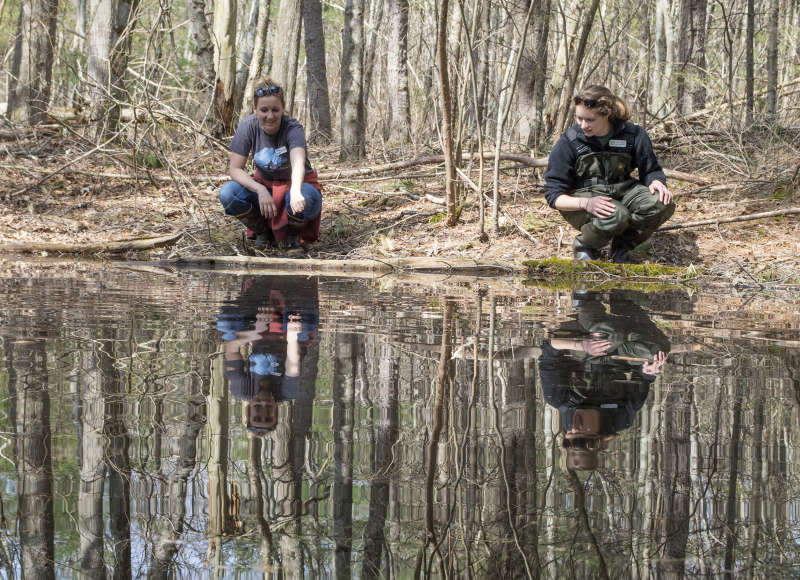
[
  {"x": 313, "y": 205},
  {"x": 233, "y": 198},
  {"x": 614, "y": 224}
]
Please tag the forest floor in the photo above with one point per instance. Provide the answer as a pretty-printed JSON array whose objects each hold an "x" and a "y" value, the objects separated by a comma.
[{"x": 54, "y": 192}]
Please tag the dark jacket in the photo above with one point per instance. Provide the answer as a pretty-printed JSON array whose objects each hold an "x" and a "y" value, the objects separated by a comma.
[{"x": 560, "y": 176}]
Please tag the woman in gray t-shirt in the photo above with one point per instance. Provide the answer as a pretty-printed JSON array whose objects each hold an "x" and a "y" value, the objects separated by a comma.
[{"x": 281, "y": 201}]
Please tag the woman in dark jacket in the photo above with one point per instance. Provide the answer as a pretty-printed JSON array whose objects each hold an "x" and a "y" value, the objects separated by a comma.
[{"x": 588, "y": 178}]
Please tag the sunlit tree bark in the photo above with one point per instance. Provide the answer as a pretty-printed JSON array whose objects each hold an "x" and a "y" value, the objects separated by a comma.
[
  {"x": 772, "y": 60},
  {"x": 286, "y": 48},
  {"x": 224, "y": 38},
  {"x": 256, "y": 66}
]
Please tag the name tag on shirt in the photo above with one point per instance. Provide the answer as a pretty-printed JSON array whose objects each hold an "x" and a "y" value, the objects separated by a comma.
[
  {"x": 617, "y": 143},
  {"x": 282, "y": 150},
  {"x": 609, "y": 406}
]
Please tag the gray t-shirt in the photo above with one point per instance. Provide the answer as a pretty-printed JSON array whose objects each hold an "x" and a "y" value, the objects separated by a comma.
[{"x": 270, "y": 152}]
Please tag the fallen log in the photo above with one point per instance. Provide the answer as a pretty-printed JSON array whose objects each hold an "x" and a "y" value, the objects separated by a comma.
[
  {"x": 89, "y": 247},
  {"x": 420, "y": 265},
  {"x": 741, "y": 218}
]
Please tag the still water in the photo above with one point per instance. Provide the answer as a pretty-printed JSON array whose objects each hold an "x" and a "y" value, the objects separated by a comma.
[{"x": 193, "y": 424}]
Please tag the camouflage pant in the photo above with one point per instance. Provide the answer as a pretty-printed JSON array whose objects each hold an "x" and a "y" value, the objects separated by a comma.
[{"x": 636, "y": 208}]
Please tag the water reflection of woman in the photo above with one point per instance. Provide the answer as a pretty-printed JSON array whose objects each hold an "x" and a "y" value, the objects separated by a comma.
[
  {"x": 281, "y": 332},
  {"x": 597, "y": 371}
]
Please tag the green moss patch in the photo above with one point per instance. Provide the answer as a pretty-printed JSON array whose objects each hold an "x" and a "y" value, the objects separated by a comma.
[{"x": 560, "y": 272}]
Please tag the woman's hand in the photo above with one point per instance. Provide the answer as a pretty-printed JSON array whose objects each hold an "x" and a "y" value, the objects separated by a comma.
[
  {"x": 599, "y": 206},
  {"x": 664, "y": 194},
  {"x": 296, "y": 200},
  {"x": 265, "y": 202},
  {"x": 595, "y": 347},
  {"x": 653, "y": 368}
]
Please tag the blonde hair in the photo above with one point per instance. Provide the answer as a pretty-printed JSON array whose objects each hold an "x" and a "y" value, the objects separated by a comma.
[
  {"x": 273, "y": 88},
  {"x": 602, "y": 100}
]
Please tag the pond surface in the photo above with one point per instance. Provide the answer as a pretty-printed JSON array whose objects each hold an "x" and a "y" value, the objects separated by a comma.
[{"x": 198, "y": 424}]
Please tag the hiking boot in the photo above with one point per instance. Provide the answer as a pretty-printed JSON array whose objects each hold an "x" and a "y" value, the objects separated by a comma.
[
  {"x": 588, "y": 243},
  {"x": 256, "y": 228},
  {"x": 580, "y": 251},
  {"x": 294, "y": 249}
]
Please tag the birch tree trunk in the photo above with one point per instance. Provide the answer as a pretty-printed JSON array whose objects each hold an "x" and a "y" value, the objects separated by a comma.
[
  {"x": 319, "y": 108},
  {"x": 399, "y": 114},
  {"x": 286, "y": 48},
  {"x": 353, "y": 116},
  {"x": 34, "y": 59},
  {"x": 224, "y": 64}
]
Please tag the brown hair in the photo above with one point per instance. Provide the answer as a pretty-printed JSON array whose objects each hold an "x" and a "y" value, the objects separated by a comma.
[
  {"x": 272, "y": 89},
  {"x": 602, "y": 100}
]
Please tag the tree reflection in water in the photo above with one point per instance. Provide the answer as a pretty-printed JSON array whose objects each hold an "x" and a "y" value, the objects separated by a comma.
[{"x": 346, "y": 428}]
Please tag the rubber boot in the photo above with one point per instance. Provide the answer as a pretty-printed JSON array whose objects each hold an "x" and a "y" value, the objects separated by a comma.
[
  {"x": 587, "y": 243},
  {"x": 255, "y": 222},
  {"x": 622, "y": 245}
]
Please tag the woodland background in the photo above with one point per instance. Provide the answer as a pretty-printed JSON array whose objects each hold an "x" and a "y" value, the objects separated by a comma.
[{"x": 160, "y": 85}]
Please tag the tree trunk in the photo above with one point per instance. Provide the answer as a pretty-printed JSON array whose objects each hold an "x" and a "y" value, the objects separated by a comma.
[
  {"x": 749, "y": 72},
  {"x": 529, "y": 71},
  {"x": 576, "y": 65},
  {"x": 699, "y": 10},
  {"x": 372, "y": 29},
  {"x": 225, "y": 65},
  {"x": 342, "y": 423},
  {"x": 286, "y": 48},
  {"x": 204, "y": 55},
  {"x": 93, "y": 466},
  {"x": 34, "y": 57},
  {"x": 34, "y": 459},
  {"x": 353, "y": 144},
  {"x": 685, "y": 46},
  {"x": 384, "y": 460},
  {"x": 663, "y": 43},
  {"x": 107, "y": 62},
  {"x": 247, "y": 46},
  {"x": 772, "y": 61},
  {"x": 256, "y": 69},
  {"x": 399, "y": 113},
  {"x": 447, "y": 115},
  {"x": 319, "y": 108}
]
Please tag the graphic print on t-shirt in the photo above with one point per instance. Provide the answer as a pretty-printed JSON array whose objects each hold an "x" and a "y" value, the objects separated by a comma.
[{"x": 269, "y": 159}]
